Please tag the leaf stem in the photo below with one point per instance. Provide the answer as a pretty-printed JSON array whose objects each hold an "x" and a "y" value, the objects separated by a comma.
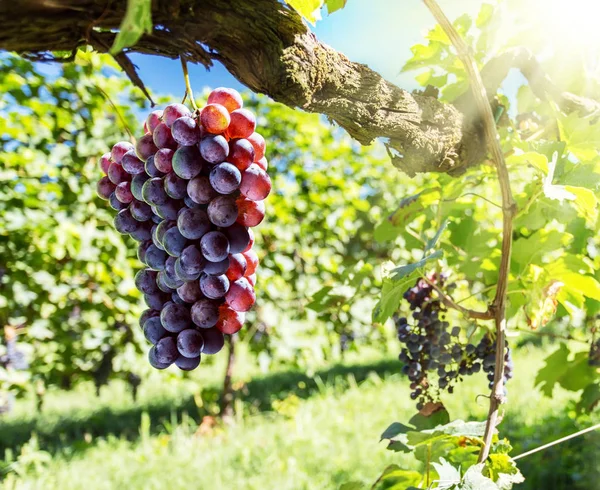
[
  {"x": 498, "y": 306},
  {"x": 448, "y": 301},
  {"x": 186, "y": 77}
]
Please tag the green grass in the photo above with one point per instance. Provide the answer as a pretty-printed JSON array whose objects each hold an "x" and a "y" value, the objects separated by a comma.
[{"x": 293, "y": 433}]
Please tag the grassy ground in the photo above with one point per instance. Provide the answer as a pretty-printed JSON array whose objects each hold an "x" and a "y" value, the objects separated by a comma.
[{"x": 294, "y": 432}]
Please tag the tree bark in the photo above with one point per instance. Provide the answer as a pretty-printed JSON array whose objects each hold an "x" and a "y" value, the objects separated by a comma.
[
  {"x": 226, "y": 402},
  {"x": 267, "y": 47}
]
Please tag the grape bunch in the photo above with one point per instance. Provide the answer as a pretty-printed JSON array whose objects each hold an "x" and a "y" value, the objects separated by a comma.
[
  {"x": 190, "y": 191},
  {"x": 433, "y": 349}
]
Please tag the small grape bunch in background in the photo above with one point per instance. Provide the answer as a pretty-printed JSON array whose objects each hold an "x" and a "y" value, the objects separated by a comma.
[{"x": 189, "y": 191}]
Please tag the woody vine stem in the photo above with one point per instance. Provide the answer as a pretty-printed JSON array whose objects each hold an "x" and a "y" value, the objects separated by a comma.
[{"x": 497, "y": 308}]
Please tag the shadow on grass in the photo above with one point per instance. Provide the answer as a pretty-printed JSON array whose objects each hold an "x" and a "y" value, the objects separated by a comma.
[{"x": 73, "y": 429}]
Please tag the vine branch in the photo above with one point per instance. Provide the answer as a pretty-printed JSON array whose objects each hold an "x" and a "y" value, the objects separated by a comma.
[
  {"x": 498, "y": 306},
  {"x": 448, "y": 301}
]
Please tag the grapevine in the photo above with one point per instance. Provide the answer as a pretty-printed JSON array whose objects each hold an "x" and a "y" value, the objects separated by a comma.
[{"x": 189, "y": 191}]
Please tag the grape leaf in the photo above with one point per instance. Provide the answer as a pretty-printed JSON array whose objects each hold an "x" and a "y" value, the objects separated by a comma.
[
  {"x": 395, "y": 478},
  {"x": 335, "y": 5},
  {"x": 352, "y": 485},
  {"x": 137, "y": 21},
  {"x": 474, "y": 480},
  {"x": 448, "y": 475},
  {"x": 572, "y": 374},
  {"x": 309, "y": 9}
]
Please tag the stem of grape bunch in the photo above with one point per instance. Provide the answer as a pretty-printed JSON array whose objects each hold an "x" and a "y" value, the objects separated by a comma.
[
  {"x": 498, "y": 306},
  {"x": 188, "y": 87}
]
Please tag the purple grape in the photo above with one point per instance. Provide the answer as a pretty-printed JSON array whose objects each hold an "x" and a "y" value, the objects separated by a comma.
[
  {"x": 117, "y": 174},
  {"x": 169, "y": 210},
  {"x": 156, "y": 300},
  {"x": 213, "y": 341},
  {"x": 238, "y": 236},
  {"x": 187, "y": 364},
  {"x": 145, "y": 147},
  {"x": 175, "y": 186},
  {"x": 142, "y": 250},
  {"x": 145, "y": 281},
  {"x": 193, "y": 223},
  {"x": 205, "y": 313},
  {"x": 200, "y": 190},
  {"x": 140, "y": 210},
  {"x": 153, "y": 360},
  {"x": 162, "y": 137},
  {"x": 191, "y": 260},
  {"x": 187, "y": 162},
  {"x": 214, "y": 246},
  {"x": 114, "y": 202},
  {"x": 171, "y": 278},
  {"x": 214, "y": 287},
  {"x": 186, "y": 131},
  {"x": 222, "y": 211},
  {"x": 183, "y": 275},
  {"x": 189, "y": 203},
  {"x": 136, "y": 185},
  {"x": 150, "y": 167},
  {"x": 174, "y": 242},
  {"x": 214, "y": 148},
  {"x": 163, "y": 160},
  {"x": 173, "y": 112},
  {"x": 146, "y": 314},
  {"x": 225, "y": 178},
  {"x": 125, "y": 223},
  {"x": 119, "y": 150},
  {"x": 155, "y": 258},
  {"x": 166, "y": 350},
  {"x": 161, "y": 229},
  {"x": 153, "y": 330},
  {"x": 132, "y": 164},
  {"x": 190, "y": 292},
  {"x": 154, "y": 193},
  {"x": 175, "y": 318},
  {"x": 143, "y": 232},
  {"x": 190, "y": 343},
  {"x": 162, "y": 281},
  {"x": 217, "y": 268}
]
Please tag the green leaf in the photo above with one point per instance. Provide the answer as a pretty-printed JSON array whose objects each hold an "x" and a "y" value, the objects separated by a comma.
[
  {"x": 537, "y": 160},
  {"x": 590, "y": 398},
  {"x": 582, "y": 135},
  {"x": 353, "y": 485},
  {"x": 438, "y": 418},
  {"x": 485, "y": 15},
  {"x": 309, "y": 9},
  {"x": 433, "y": 242},
  {"x": 394, "y": 429},
  {"x": 335, "y": 5},
  {"x": 585, "y": 202},
  {"x": 454, "y": 428},
  {"x": 503, "y": 470},
  {"x": 395, "y": 478},
  {"x": 572, "y": 374},
  {"x": 137, "y": 21},
  {"x": 448, "y": 475},
  {"x": 474, "y": 480}
]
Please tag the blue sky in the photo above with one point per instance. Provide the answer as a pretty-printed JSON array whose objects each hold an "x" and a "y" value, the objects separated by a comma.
[{"x": 378, "y": 33}]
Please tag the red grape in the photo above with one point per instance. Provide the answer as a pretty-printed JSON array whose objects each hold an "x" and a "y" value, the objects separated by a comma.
[
  {"x": 173, "y": 112},
  {"x": 259, "y": 144},
  {"x": 237, "y": 267},
  {"x": 145, "y": 147},
  {"x": 153, "y": 120},
  {"x": 241, "y": 296},
  {"x": 119, "y": 150},
  {"x": 123, "y": 192},
  {"x": 105, "y": 188},
  {"x": 252, "y": 279},
  {"x": 256, "y": 184},
  {"x": 241, "y": 153},
  {"x": 163, "y": 138},
  {"x": 117, "y": 174},
  {"x": 214, "y": 148},
  {"x": 242, "y": 125},
  {"x": 263, "y": 163},
  {"x": 251, "y": 213},
  {"x": 185, "y": 131},
  {"x": 251, "y": 243},
  {"x": 251, "y": 261},
  {"x": 132, "y": 164},
  {"x": 215, "y": 118},
  {"x": 105, "y": 163},
  {"x": 163, "y": 160},
  {"x": 227, "y": 97},
  {"x": 230, "y": 321}
]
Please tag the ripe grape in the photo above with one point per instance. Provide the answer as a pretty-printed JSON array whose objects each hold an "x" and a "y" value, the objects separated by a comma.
[
  {"x": 105, "y": 188},
  {"x": 230, "y": 321},
  {"x": 222, "y": 211},
  {"x": 173, "y": 242},
  {"x": 250, "y": 213},
  {"x": 200, "y": 190},
  {"x": 166, "y": 350},
  {"x": 259, "y": 144},
  {"x": 147, "y": 314},
  {"x": 190, "y": 292},
  {"x": 214, "y": 246},
  {"x": 175, "y": 318},
  {"x": 163, "y": 160},
  {"x": 153, "y": 330},
  {"x": 105, "y": 163},
  {"x": 162, "y": 281},
  {"x": 187, "y": 364},
  {"x": 136, "y": 185},
  {"x": 205, "y": 313},
  {"x": 153, "y": 360},
  {"x": 173, "y": 112},
  {"x": 213, "y": 341},
  {"x": 132, "y": 164},
  {"x": 184, "y": 275},
  {"x": 251, "y": 262},
  {"x": 237, "y": 267},
  {"x": 115, "y": 203},
  {"x": 227, "y": 97},
  {"x": 187, "y": 162},
  {"x": 241, "y": 153},
  {"x": 160, "y": 231},
  {"x": 125, "y": 223},
  {"x": 241, "y": 296},
  {"x": 119, "y": 149},
  {"x": 214, "y": 148},
  {"x": 215, "y": 118},
  {"x": 117, "y": 174},
  {"x": 155, "y": 258},
  {"x": 153, "y": 191},
  {"x": 169, "y": 210},
  {"x": 140, "y": 210},
  {"x": 153, "y": 120},
  {"x": 262, "y": 163},
  {"x": 256, "y": 184},
  {"x": 240, "y": 238},
  {"x": 225, "y": 178},
  {"x": 191, "y": 260},
  {"x": 123, "y": 192},
  {"x": 156, "y": 300},
  {"x": 242, "y": 125},
  {"x": 145, "y": 281},
  {"x": 186, "y": 131},
  {"x": 145, "y": 147},
  {"x": 190, "y": 343},
  {"x": 216, "y": 268},
  {"x": 193, "y": 223},
  {"x": 251, "y": 279},
  {"x": 214, "y": 287},
  {"x": 162, "y": 138}
]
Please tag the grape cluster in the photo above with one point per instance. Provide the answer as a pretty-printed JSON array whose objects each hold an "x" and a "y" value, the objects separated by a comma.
[
  {"x": 189, "y": 191},
  {"x": 432, "y": 348}
]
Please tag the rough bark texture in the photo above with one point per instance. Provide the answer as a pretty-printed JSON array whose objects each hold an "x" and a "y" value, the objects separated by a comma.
[{"x": 267, "y": 47}]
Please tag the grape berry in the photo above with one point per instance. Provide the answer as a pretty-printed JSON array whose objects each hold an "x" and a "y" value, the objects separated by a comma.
[{"x": 189, "y": 190}]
